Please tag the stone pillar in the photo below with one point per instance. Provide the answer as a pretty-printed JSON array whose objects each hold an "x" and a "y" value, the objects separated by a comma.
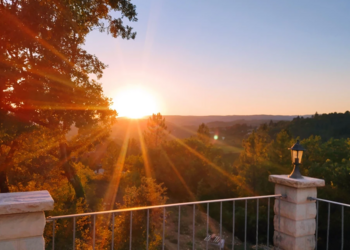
[
  {"x": 22, "y": 220},
  {"x": 297, "y": 227}
]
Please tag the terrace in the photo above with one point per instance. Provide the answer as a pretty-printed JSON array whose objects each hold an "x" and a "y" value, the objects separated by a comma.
[{"x": 295, "y": 219}]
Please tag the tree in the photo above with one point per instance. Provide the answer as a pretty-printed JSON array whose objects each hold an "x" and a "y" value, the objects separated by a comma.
[
  {"x": 148, "y": 193},
  {"x": 44, "y": 80},
  {"x": 203, "y": 133},
  {"x": 279, "y": 153},
  {"x": 133, "y": 147},
  {"x": 253, "y": 162},
  {"x": 156, "y": 132}
]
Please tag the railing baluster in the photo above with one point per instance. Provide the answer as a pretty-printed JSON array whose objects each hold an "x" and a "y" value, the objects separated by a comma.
[
  {"x": 233, "y": 225},
  {"x": 130, "y": 240},
  {"x": 279, "y": 223},
  {"x": 147, "y": 228},
  {"x": 317, "y": 205},
  {"x": 53, "y": 235},
  {"x": 113, "y": 218},
  {"x": 93, "y": 232},
  {"x": 220, "y": 221},
  {"x": 207, "y": 225},
  {"x": 268, "y": 223},
  {"x": 178, "y": 230},
  {"x": 329, "y": 208},
  {"x": 73, "y": 233},
  {"x": 194, "y": 225},
  {"x": 257, "y": 223},
  {"x": 342, "y": 227},
  {"x": 163, "y": 228},
  {"x": 245, "y": 226}
]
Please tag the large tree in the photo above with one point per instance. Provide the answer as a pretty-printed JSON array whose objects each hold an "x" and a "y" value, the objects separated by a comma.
[{"x": 44, "y": 74}]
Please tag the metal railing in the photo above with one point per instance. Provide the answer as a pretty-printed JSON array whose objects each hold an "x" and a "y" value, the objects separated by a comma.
[
  {"x": 329, "y": 202},
  {"x": 53, "y": 219}
]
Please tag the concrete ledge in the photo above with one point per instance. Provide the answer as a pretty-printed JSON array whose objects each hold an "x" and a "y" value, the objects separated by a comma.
[
  {"x": 31, "y": 243},
  {"x": 306, "y": 182},
  {"x": 25, "y": 202}
]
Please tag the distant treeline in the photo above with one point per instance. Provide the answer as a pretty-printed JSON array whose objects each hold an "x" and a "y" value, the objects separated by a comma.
[{"x": 332, "y": 125}]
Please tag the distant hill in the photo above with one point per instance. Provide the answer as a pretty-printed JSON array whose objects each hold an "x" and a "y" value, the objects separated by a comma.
[
  {"x": 186, "y": 126},
  {"x": 253, "y": 123},
  {"x": 197, "y": 120},
  {"x": 136, "y": 126}
]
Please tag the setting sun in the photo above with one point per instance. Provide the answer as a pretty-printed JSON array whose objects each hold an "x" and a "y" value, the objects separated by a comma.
[{"x": 134, "y": 103}]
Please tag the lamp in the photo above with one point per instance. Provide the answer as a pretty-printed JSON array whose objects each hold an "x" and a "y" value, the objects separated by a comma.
[{"x": 297, "y": 153}]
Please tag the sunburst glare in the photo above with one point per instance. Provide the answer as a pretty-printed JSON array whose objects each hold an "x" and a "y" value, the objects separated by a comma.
[{"x": 135, "y": 103}]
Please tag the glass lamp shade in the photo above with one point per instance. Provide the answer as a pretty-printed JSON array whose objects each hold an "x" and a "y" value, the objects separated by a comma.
[{"x": 296, "y": 154}]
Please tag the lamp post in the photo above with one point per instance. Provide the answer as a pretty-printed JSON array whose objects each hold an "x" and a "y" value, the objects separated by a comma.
[{"x": 297, "y": 153}]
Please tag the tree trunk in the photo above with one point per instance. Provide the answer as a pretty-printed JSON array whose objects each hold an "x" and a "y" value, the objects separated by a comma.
[
  {"x": 4, "y": 185},
  {"x": 70, "y": 172}
]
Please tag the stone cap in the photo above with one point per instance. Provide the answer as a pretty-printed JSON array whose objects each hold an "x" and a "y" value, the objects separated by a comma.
[
  {"x": 306, "y": 182},
  {"x": 25, "y": 202}
]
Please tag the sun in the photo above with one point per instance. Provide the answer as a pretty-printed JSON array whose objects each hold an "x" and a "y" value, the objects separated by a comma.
[{"x": 134, "y": 103}]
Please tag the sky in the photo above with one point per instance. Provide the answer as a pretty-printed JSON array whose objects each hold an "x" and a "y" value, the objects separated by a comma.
[{"x": 233, "y": 57}]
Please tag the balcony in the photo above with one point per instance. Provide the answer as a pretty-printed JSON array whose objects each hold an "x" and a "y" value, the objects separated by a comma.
[{"x": 288, "y": 219}]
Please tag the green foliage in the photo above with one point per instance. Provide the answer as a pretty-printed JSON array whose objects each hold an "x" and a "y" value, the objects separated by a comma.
[
  {"x": 233, "y": 134},
  {"x": 278, "y": 152},
  {"x": 202, "y": 233},
  {"x": 203, "y": 133},
  {"x": 326, "y": 159},
  {"x": 332, "y": 125},
  {"x": 147, "y": 194}
]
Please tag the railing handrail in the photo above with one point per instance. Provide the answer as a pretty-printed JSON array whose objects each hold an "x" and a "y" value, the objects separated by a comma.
[
  {"x": 52, "y": 218},
  {"x": 329, "y": 201}
]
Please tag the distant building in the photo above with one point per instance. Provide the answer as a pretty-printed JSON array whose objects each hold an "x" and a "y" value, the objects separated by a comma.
[{"x": 99, "y": 171}]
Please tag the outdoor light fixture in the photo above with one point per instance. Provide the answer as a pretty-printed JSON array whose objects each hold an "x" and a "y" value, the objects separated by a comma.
[{"x": 297, "y": 154}]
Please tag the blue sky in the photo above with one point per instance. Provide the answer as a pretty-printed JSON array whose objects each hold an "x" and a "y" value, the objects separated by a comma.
[{"x": 234, "y": 57}]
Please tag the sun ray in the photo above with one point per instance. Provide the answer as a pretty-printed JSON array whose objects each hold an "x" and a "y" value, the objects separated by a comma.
[
  {"x": 178, "y": 174},
  {"x": 190, "y": 131},
  {"x": 41, "y": 73},
  {"x": 148, "y": 170},
  {"x": 213, "y": 165},
  {"x": 31, "y": 34},
  {"x": 201, "y": 207},
  {"x": 117, "y": 172}
]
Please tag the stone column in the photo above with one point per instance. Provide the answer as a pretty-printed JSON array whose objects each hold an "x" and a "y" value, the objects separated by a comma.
[
  {"x": 22, "y": 220},
  {"x": 297, "y": 227}
]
